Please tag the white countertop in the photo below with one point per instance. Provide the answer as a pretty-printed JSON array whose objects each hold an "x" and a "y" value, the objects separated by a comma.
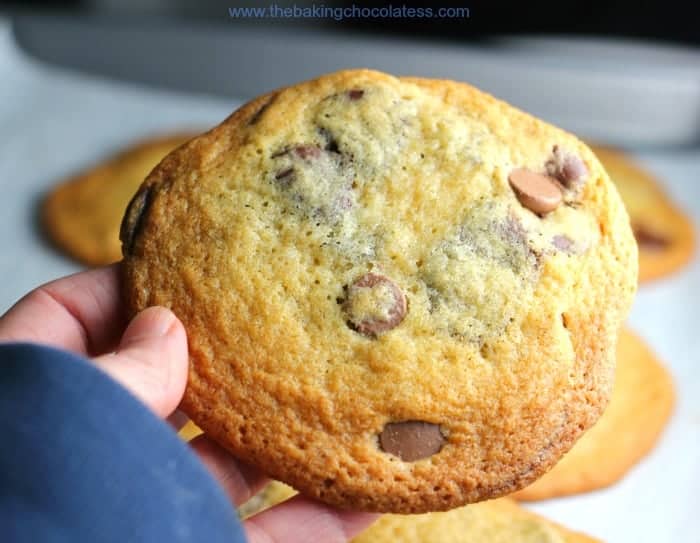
[{"x": 53, "y": 123}]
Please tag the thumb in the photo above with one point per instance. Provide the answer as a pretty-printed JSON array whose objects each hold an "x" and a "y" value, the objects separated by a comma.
[{"x": 151, "y": 360}]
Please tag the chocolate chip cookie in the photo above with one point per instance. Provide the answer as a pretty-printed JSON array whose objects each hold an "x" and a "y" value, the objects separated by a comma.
[
  {"x": 400, "y": 294},
  {"x": 641, "y": 404},
  {"x": 82, "y": 214},
  {"x": 664, "y": 232},
  {"x": 494, "y": 521}
]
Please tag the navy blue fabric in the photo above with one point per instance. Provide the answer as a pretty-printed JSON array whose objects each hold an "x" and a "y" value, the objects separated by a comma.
[{"x": 81, "y": 460}]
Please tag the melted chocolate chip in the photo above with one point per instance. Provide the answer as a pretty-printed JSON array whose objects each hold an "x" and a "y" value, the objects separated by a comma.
[
  {"x": 304, "y": 151},
  {"x": 331, "y": 143},
  {"x": 285, "y": 177},
  {"x": 355, "y": 94},
  {"x": 411, "y": 440},
  {"x": 650, "y": 240},
  {"x": 370, "y": 317},
  {"x": 563, "y": 243},
  {"x": 566, "y": 168},
  {"x": 133, "y": 218},
  {"x": 307, "y": 151},
  {"x": 574, "y": 169}
]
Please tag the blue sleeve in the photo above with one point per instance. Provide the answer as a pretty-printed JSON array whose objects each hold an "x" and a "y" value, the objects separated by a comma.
[{"x": 81, "y": 460}]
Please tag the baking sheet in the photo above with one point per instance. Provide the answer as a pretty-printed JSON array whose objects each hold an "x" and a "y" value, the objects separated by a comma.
[{"x": 53, "y": 123}]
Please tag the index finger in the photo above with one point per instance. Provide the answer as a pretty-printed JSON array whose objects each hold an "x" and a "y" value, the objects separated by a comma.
[{"x": 82, "y": 313}]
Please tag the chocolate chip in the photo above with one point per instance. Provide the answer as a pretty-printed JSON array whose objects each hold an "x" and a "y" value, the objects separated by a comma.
[
  {"x": 355, "y": 94},
  {"x": 574, "y": 169},
  {"x": 538, "y": 193},
  {"x": 650, "y": 240},
  {"x": 134, "y": 217},
  {"x": 375, "y": 304},
  {"x": 411, "y": 440},
  {"x": 331, "y": 143},
  {"x": 561, "y": 242},
  {"x": 259, "y": 113},
  {"x": 304, "y": 151},
  {"x": 285, "y": 177},
  {"x": 307, "y": 152},
  {"x": 566, "y": 168}
]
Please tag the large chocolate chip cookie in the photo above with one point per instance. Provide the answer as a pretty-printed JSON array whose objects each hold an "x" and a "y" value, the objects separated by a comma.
[{"x": 400, "y": 294}]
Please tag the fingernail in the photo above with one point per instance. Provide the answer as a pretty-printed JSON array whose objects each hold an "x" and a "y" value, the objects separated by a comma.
[
  {"x": 153, "y": 322},
  {"x": 162, "y": 324}
]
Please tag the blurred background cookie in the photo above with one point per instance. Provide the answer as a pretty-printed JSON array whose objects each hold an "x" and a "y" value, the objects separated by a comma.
[
  {"x": 494, "y": 521},
  {"x": 273, "y": 493},
  {"x": 189, "y": 431},
  {"x": 664, "y": 233},
  {"x": 82, "y": 215},
  {"x": 640, "y": 407}
]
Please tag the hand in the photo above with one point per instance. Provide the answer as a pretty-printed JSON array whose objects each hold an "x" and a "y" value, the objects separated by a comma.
[{"x": 82, "y": 313}]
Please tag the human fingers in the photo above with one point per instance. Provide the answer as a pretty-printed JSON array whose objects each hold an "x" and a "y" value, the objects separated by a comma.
[
  {"x": 151, "y": 359},
  {"x": 81, "y": 313},
  {"x": 240, "y": 480},
  {"x": 311, "y": 521}
]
